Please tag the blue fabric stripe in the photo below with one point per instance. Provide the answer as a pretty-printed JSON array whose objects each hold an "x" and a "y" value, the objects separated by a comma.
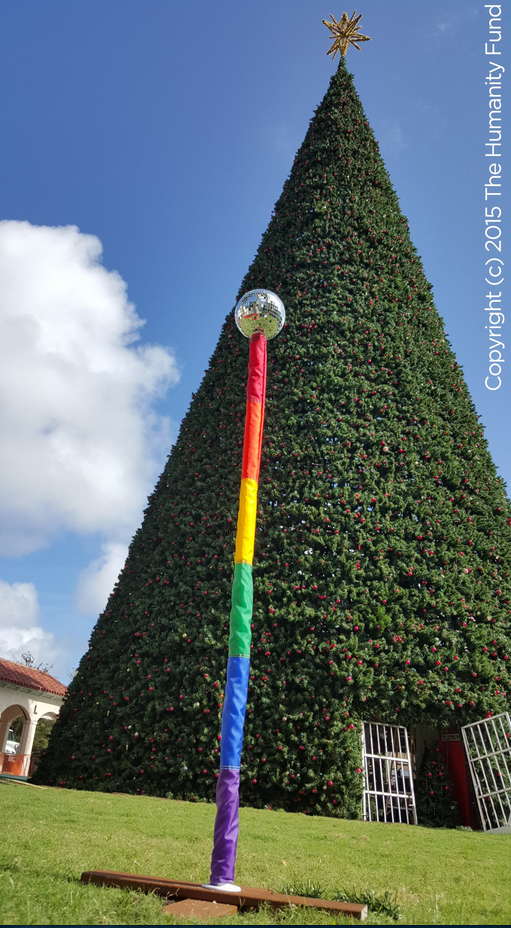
[{"x": 233, "y": 713}]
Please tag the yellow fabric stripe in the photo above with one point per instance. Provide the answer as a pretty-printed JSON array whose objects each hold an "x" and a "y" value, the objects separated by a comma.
[{"x": 247, "y": 514}]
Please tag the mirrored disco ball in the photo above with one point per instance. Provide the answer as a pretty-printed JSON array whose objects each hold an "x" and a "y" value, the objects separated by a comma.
[{"x": 260, "y": 311}]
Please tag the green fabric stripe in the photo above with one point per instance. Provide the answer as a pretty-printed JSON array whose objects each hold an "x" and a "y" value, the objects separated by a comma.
[{"x": 240, "y": 633}]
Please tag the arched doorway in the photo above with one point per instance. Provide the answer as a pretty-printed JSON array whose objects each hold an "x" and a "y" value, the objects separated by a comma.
[
  {"x": 15, "y": 729},
  {"x": 30, "y": 701}
]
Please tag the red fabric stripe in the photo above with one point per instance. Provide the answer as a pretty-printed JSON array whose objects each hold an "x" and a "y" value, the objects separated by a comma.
[
  {"x": 254, "y": 419},
  {"x": 256, "y": 387}
]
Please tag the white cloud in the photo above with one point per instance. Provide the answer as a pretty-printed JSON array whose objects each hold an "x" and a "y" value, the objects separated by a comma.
[
  {"x": 79, "y": 436},
  {"x": 97, "y": 581},
  {"x": 392, "y": 137},
  {"x": 19, "y": 631},
  {"x": 447, "y": 27},
  {"x": 18, "y": 604}
]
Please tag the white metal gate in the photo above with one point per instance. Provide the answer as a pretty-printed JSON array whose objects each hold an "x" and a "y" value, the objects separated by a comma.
[
  {"x": 388, "y": 778},
  {"x": 488, "y": 749}
]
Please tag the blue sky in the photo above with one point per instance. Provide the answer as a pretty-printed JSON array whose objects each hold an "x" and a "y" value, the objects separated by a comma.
[{"x": 162, "y": 132}]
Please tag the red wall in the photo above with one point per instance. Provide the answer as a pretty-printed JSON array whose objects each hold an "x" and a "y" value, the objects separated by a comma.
[{"x": 451, "y": 746}]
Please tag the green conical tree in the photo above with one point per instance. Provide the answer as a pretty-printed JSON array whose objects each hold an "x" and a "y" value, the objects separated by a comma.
[{"x": 383, "y": 546}]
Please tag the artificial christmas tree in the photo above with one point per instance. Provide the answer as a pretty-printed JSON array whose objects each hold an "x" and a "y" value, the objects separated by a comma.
[{"x": 383, "y": 545}]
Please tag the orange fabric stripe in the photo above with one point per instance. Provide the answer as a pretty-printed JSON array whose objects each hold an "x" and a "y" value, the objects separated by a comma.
[{"x": 254, "y": 421}]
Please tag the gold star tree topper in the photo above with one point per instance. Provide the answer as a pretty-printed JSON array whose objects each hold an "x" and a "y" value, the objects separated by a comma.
[{"x": 346, "y": 32}]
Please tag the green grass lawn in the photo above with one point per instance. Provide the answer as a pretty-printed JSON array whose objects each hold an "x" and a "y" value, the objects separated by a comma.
[{"x": 437, "y": 877}]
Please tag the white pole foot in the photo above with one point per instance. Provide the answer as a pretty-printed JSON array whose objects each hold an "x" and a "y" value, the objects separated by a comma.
[{"x": 223, "y": 887}]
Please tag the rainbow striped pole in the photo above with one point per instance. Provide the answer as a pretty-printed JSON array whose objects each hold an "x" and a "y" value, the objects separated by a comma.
[{"x": 260, "y": 315}]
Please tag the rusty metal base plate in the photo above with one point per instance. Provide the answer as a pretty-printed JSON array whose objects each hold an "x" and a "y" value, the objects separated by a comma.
[{"x": 199, "y": 909}]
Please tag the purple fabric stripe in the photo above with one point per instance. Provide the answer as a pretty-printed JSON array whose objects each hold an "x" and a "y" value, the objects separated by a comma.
[{"x": 225, "y": 840}]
